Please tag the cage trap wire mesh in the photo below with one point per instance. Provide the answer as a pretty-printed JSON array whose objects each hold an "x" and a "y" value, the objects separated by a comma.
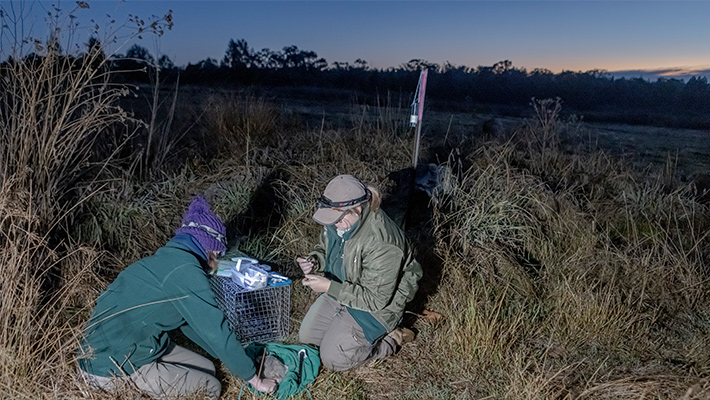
[{"x": 260, "y": 315}]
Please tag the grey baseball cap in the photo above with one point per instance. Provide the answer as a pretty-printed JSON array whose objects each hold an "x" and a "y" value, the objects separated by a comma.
[{"x": 344, "y": 192}]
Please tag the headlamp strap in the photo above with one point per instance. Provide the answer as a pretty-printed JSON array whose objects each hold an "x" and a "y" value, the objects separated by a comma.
[
  {"x": 207, "y": 229},
  {"x": 324, "y": 202}
]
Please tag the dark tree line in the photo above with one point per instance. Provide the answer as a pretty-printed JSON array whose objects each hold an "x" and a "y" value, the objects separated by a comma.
[{"x": 502, "y": 87}]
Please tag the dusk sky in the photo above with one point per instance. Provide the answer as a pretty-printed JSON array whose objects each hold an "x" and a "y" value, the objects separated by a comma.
[{"x": 556, "y": 35}]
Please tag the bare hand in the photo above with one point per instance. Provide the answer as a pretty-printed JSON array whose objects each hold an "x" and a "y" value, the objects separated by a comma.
[
  {"x": 306, "y": 263},
  {"x": 265, "y": 385},
  {"x": 317, "y": 283}
]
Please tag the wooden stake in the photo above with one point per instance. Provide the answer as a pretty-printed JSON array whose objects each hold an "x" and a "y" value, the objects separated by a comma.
[{"x": 261, "y": 366}]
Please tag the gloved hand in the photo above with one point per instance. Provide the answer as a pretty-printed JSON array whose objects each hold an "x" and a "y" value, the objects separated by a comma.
[
  {"x": 317, "y": 283},
  {"x": 265, "y": 385},
  {"x": 306, "y": 263}
]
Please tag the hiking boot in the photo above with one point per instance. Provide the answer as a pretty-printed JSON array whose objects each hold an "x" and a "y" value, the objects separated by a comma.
[{"x": 402, "y": 336}]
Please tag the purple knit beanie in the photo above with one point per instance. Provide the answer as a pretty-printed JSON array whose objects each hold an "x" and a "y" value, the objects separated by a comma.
[{"x": 204, "y": 226}]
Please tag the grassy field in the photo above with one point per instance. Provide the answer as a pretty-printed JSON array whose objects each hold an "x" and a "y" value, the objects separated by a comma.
[
  {"x": 564, "y": 269},
  {"x": 688, "y": 150}
]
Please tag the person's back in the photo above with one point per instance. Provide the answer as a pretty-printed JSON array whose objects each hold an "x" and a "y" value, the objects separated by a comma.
[
  {"x": 133, "y": 315},
  {"x": 126, "y": 339}
]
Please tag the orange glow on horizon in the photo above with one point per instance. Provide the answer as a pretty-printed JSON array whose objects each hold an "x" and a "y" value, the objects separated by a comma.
[
  {"x": 674, "y": 68},
  {"x": 673, "y": 65}
]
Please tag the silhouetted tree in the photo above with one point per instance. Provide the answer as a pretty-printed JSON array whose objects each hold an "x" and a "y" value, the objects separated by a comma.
[
  {"x": 295, "y": 58},
  {"x": 418, "y": 65},
  {"x": 267, "y": 59},
  {"x": 696, "y": 92},
  {"x": 140, "y": 54},
  {"x": 165, "y": 63},
  {"x": 502, "y": 67},
  {"x": 238, "y": 55},
  {"x": 362, "y": 64},
  {"x": 343, "y": 66}
]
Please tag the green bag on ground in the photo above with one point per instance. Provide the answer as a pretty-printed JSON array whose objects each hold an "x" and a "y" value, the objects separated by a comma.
[{"x": 293, "y": 365}]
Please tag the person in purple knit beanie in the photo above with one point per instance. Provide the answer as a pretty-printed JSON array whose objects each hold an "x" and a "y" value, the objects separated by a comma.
[
  {"x": 126, "y": 340},
  {"x": 205, "y": 228}
]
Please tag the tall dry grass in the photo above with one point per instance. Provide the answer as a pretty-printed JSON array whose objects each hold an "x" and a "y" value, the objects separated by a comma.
[
  {"x": 53, "y": 109},
  {"x": 567, "y": 276}
]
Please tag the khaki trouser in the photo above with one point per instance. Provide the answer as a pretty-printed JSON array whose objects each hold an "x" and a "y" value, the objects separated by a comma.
[
  {"x": 177, "y": 373},
  {"x": 343, "y": 345}
]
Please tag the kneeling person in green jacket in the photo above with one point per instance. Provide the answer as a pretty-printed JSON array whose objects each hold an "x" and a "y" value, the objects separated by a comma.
[
  {"x": 366, "y": 273},
  {"x": 126, "y": 339}
]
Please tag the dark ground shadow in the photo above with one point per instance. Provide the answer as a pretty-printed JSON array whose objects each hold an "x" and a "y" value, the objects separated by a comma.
[
  {"x": 266, "y": 211},
  {"x": 410, "y": 208}
]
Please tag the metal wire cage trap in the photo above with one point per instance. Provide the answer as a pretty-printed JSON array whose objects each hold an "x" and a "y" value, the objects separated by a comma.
[{"x": 260, "y": 315}]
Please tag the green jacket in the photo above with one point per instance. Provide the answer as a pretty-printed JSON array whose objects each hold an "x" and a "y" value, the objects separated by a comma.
[
  {"x": 129, "y": 325},
  {"x": 381, "y": 273}
]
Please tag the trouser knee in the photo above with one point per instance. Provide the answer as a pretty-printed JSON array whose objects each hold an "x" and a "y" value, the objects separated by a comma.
[
  {"x": 335, "y": 362},
  {"x": 342, "y": 355},
  {"x": 308, "y": 336}
]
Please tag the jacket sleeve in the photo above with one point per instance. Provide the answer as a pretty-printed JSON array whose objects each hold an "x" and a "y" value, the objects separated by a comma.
[
  {"x": 192, "y": 335},
  {"x": 378, "y": 280},
  {"x": 206, "y": 321},
  {"x": 319, "y": 253}
]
